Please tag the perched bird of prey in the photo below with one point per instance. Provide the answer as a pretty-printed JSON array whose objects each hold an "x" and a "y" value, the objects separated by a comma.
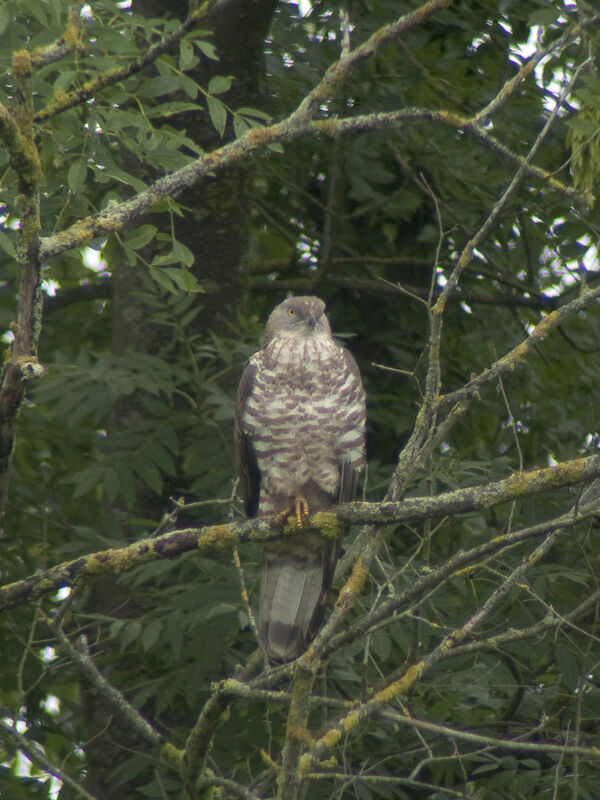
[{"x": 300, "y": 445}]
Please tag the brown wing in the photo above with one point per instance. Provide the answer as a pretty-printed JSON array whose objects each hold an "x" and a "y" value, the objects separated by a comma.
[
  {"x": 349, "y": 474},
  {"x": 245, "y": 457}
]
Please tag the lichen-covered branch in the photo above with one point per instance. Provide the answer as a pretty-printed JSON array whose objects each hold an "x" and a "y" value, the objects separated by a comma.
[
  {"x": 22, "y": 363},
  {"x": 518, "y": 485},
  {"x": 492, "y": 742},
  {"x": 219, "y": 539},
  {"x": 297, "y": 736},
  {"x": 340, "y": 70},
  {"x": 65, "y": 100},
  {"x": 349, "y": 722},
  {"x": 210, "y": 540}
]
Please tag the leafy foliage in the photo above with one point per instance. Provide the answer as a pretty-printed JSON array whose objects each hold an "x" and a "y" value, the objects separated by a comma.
[{"x": 375, "y": 221}]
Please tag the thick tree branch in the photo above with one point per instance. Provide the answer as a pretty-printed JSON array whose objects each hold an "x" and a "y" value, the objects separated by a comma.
[
  {"x": 217, "y": 539},
  {"x": 299, "y": 123},
  {"x": 210, "y": 540},
  {"x": 22, "y": 363}
]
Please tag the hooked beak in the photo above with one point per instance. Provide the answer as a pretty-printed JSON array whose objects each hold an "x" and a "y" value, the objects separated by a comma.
[{"x": 312, "y": 320}]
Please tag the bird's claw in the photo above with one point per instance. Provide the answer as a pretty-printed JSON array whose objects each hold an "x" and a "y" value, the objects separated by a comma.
[{"x": 301, "y": 510}]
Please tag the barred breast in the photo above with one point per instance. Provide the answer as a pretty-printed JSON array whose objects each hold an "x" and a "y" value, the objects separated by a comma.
[{"x": 305, "y": 417}]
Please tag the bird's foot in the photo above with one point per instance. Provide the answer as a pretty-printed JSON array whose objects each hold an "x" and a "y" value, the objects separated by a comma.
[
  {"x": 282, "y": 516},
  {"x": 301, "y": 510}
]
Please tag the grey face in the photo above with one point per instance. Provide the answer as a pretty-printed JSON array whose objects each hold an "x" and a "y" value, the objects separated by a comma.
[{"x": 300, "y": 316}]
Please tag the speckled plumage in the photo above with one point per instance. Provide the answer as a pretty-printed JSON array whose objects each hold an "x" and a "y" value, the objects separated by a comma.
[{"x": 300, "y": 427}]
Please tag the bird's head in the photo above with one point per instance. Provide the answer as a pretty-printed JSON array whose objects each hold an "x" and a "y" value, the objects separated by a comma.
[{"x": 298, "y": 316}]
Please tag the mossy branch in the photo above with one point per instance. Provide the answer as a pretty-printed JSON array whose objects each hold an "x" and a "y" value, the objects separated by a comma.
[
  {"x": 17, "y": 129},
  {"x": 462, "y": 563},
  {"x": 69, "y": 42},
  {"x": 64, "y": 100},
  {"x": 216, "y": 540},
  {"x": 348, "y": 723},
  {"x": 298, "y": 124}
]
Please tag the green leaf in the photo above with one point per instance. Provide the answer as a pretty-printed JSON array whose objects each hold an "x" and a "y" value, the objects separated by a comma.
[
  {"x": 76, "y": 175},
  {"x": 170, "y": 108},
  {"x": 568, "y": 665},
  {"x": 207, "y": 48},
  {"x": 5, "y": 17},
  {"x": 161, "y": 277},
  {"x": 175, "y": 631},
  {"x": 220, "y": 84},
  {"x": 130, "y": 633},
  {"x": 183, "y": 279},
  {"x": 165, "y": 259},
  {"x": 256, "y": 113},
  {"x": 218, "y": 114},
  {"x": 189, "y": 86},
  {"x": 112, "y": 171},
  {"x": 151, "y": 634},
  {"x": 126, "y": 484},
  {"x": 157, "y": 87},
  {"x": 183, "y": 253},
  {"x": 111, "y": 484},
  {"x": 240, "y": 126},
  {"x": 543, "y": 17},
  {"x": 187, "y": 56},
  {"x": 87, "y": 479},
  {"x": 150, "y": 475},
  {"x": 141, "y": 236},
  {"x": 7, "y": 245}
]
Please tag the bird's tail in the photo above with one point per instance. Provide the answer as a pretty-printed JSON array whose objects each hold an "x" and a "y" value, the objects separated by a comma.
[{"x": 295, "y": 581}]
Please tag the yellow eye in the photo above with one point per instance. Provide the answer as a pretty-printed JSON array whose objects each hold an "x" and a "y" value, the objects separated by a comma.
[{"x": 291, "y": 312}]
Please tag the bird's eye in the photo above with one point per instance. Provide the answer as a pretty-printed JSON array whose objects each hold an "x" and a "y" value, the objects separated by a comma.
[{"x": 291, "y": 312}]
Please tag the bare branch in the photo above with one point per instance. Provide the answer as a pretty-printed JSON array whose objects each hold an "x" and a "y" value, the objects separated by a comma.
[
  {"x": 80, "y": 657},
  {"x": 363, "y": 711},
  {"x": 37, "y": 757}
]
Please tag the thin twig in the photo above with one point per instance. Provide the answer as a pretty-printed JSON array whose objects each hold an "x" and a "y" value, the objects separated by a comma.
[{"x": 37, "y": 757}]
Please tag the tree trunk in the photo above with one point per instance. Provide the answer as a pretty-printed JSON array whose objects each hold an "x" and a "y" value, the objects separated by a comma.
[{"x": 216, "y": 229}]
